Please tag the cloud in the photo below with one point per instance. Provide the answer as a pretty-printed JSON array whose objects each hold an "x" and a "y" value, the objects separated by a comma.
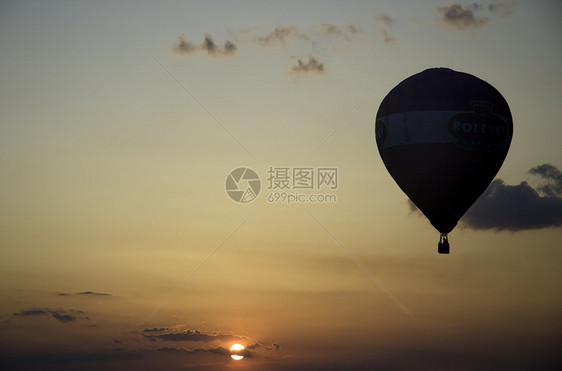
[
  {"x": 249, "y": 351},
  {"x": 281, "y": 35},
  {"x": 217, "y": 350},
  {"x": 156, "y": 329},
  {"x": 188, "y": 335},
  {"x": 184, "y": 47},
  {"x": 387, "y": 38},
  {"x": 272, "y": 347},
  {"x": 384, "y": 19},
  {"x": 32, "y": 312},
  {"x": 331, "y": 30},
  {"x": 86, "y": 293},
  {"x": 503, "y": 8},
  {"x": 63, "y": 317},
  {"x": 93, "y": 293},
  {"x": 229, "y": 48},
  {"x": 353, "y": 29},
  {"x": 60, "y": 315},
  {"x": 551, "y": 179},
  {"x": 209, "y": 45},
  {"x": 312, "y": 65},
  {"x": 457, "y": 16},
  {"x": 519, "y": 207}
]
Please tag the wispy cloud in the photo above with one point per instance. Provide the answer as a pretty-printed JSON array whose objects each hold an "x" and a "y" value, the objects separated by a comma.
[
  {"x": 184, "y": 46},
  {"x": 310, "y": 65},
  {"x": 385, "y": 21},
  {"x": 250, "y": 351},
  {"x": 84, "y": 293},
  {"x": 281, "y": 35},
  {"x": 387, "y": 38},
  {"x": 331, "y": 30},
  {"x": 503, "y": 8},
  {"x": 353, "y": 29},
  {"x": 187, "y": 335},
  {"x": 216, "y": 350},
  {"x": 61, "y": 315},
  {"x": 462, "y": 18},
  {"x": 93, "y": 293}
]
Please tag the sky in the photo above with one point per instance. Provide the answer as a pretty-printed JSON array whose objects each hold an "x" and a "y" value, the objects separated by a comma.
[{"x": 120, "y": 247}]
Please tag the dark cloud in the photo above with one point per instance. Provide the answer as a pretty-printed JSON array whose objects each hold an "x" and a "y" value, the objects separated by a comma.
[
  {"x": 32, "y": 312},
  {"x": 60, "y": 315},
  {"x": 189, "y": 335},
  {"x": 384, "y": 19},
  {"x": 156, "y": 329},
  {"x": 312, "y": 65},
  {"x": 272, "y": 347},
  {"x": 63, "y": 317},
  {"x": 93, "y": 293},
  {"x": 281, "y": 35},
  {"x": 503, "y": 8},
  {"x": 462, "y": 18},
  {"x": 209, "y": 45},
  {"x": 519, "y": 207},
  {"x": 184, "y": 46},
  {"x": 217, "y": 350},
  {"x": 550, "y": 180},
  {"x": 249, "y": 351}
]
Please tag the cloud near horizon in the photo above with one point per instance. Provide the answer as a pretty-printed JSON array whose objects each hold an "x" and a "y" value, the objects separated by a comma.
[
  {"x": 249, "y": 351},
  {"x": 187, "y": 335},
  {"x": 60, "y": 315}
]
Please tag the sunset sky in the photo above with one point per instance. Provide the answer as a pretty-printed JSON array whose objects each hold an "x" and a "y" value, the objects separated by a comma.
[{"x": 120, "y": 248}]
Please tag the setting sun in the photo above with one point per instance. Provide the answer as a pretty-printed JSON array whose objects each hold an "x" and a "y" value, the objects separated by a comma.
[{"x": 236, "y": 348}]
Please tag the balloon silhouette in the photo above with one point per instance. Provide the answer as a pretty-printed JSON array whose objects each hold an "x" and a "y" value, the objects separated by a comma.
[{"x": 443, "y": 136}]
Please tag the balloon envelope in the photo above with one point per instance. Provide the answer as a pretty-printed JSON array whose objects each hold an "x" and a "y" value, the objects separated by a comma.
[{"x": 443, "y": 135}]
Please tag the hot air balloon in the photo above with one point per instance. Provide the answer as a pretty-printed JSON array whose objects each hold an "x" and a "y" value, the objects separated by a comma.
[{"x": 443, "y": 136}]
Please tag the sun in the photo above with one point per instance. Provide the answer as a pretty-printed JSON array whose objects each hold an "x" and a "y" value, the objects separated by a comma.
[{"x": 236, "y": 349}]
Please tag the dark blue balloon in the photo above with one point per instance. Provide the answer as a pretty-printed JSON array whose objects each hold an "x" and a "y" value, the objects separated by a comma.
[{"x": 443, "y": 136}]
